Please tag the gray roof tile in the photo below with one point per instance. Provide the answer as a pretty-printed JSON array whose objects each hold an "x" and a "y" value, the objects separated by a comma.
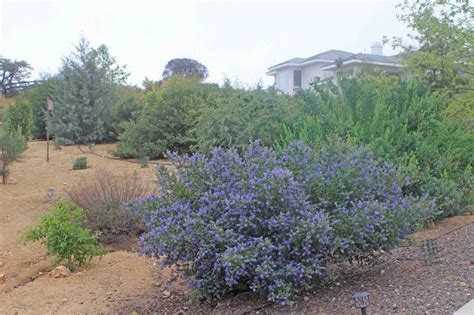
[
  {"x": 335, "y": 54},
  {"x": 292, "y": 60},
  {"x": 372, "y": 57},
  {"x": 332, "y": 55}
]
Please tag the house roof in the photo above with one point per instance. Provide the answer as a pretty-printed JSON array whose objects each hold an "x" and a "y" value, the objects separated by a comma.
[
  {"x": 289, "y": 61},
  {"x": 330, "y": 55},
  {"x": 333, "y": 55},
  {"x": 370, "y": 58}
]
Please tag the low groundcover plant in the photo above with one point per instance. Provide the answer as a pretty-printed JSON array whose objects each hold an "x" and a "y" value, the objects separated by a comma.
[{"x": 272, "y": 222}]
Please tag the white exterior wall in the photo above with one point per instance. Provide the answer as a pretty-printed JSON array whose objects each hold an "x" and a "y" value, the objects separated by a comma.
[
  {"x": 309, "y": 72},
  {"x": 284, "y": 80}
]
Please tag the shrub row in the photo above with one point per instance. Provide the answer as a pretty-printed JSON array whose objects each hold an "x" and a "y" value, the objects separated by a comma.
[
  {"x": 272, "y": 223},
  {"x": 185, "y": 115},
  {"x": 402, "y": 121}
]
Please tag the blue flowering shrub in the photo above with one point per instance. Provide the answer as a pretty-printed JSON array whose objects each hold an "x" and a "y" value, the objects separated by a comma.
[
  {"x": 364, "y": 199},
  {"x": 272, "y": 222}
]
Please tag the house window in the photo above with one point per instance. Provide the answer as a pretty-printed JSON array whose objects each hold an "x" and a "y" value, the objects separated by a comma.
[{"x": 297, "y": 78}]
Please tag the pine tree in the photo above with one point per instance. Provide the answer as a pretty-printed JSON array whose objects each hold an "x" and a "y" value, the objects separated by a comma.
[{"x": 84, "y": 95}]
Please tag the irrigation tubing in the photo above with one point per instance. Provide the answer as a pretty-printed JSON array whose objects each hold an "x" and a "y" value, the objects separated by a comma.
[{"x": 120, "y": 160}]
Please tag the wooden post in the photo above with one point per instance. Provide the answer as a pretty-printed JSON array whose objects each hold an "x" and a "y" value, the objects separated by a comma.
[
  {"x": 47, "y": 143},
  {"x": 49, "y": 109}
]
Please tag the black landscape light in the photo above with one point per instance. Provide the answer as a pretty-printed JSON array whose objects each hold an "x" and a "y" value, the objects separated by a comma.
[
  {"x": 361, "y": 301},
  {"x": 431, "y": 250}
]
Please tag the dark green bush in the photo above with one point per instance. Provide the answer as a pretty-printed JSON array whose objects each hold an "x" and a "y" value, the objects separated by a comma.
[
  {"x": 400, "y": 121},
  {"x": 143, "y": 160},
  {"x": 80, "y": 163},
  {"x": 237, "y": 116},
  {"x": 166, "y": 120},
  {"x": 37, "y": 95},
  {"x": 19, "y": 117},
  {"x": 64, "y": 237},
  {"x": 11, "y": 146},
  {"x": 128, "y": 104}
]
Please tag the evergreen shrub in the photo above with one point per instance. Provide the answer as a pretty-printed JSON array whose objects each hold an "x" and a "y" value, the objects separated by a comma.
[
  {"x": 80, "y": 163},
  {"x": 272, "y": 223}
]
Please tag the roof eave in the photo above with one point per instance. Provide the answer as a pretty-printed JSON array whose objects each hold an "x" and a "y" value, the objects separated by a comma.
[
  {"x": 378, "y": 63},
  {"x": 297, "y": 64},
  {"x": 283, "y": 66}
]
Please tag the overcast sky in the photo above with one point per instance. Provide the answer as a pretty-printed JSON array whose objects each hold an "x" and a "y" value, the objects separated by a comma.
[{"x": 238, "y": 40}]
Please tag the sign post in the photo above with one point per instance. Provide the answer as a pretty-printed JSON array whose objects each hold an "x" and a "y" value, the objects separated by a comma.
[{"x": 49, "y": 108}]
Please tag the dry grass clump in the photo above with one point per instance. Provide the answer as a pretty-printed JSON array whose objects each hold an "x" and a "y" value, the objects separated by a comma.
[{"x": 104, "y": 198}]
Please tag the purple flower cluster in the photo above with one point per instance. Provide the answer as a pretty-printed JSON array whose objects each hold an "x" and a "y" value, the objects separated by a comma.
[{"x": 269, "y": 222}]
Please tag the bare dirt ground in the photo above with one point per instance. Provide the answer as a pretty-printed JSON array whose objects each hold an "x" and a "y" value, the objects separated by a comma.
[
  {"x": 123, "y": 282},
  {"x": 27, "y": 287}
]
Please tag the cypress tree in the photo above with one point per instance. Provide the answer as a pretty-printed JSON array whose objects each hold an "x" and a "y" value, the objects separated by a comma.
[{"x": 84, "y": 95}]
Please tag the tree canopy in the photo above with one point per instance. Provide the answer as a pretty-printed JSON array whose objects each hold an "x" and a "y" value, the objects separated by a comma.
[
  {"x": 443, "y": 33},
  {"x": 185, "y": 67},
  {"x": 84, "y": 95},
  {"x": 13, "y": 73}
]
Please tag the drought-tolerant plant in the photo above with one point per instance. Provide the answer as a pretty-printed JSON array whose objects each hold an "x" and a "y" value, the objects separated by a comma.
[
  {"x": 365, "y": 200},
  {"x": 128, "y": 104},
  {"x": 104, "y": 198},
  {"x": 37, "y": 96},
  {"x": 19, "y": 117},
  {"x": 62, "y": 233},
  {"x": 11, "y": 146},
  {"x": 402, "y": 122},
  {"x": 166, "y": 120},
  {"x": 271, "y": 223},
  {"x": 236, "y": 116},
  {"x": 80, "y": 163},
  {"x": 144, "y": 160},
  {"x": 84, "y": 95}
]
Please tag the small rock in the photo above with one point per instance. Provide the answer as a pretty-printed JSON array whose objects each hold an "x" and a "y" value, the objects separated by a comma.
[
  {"x": 2, "y": 277},
  {"x": 463, "y": 284},
  {"x": 65, "y": 300},
  {"x": 157, "y": 284},
  {"x": 166, "y": 293},
  {"x": 382, "y": 272},
  {"x": 306, "y": 298},
  {"x": 60, "y": 272},
  {"x": 1, "y": 263}
]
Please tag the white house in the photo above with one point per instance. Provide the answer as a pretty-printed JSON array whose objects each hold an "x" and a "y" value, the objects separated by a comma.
[{"x": 298, "y": 73}]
